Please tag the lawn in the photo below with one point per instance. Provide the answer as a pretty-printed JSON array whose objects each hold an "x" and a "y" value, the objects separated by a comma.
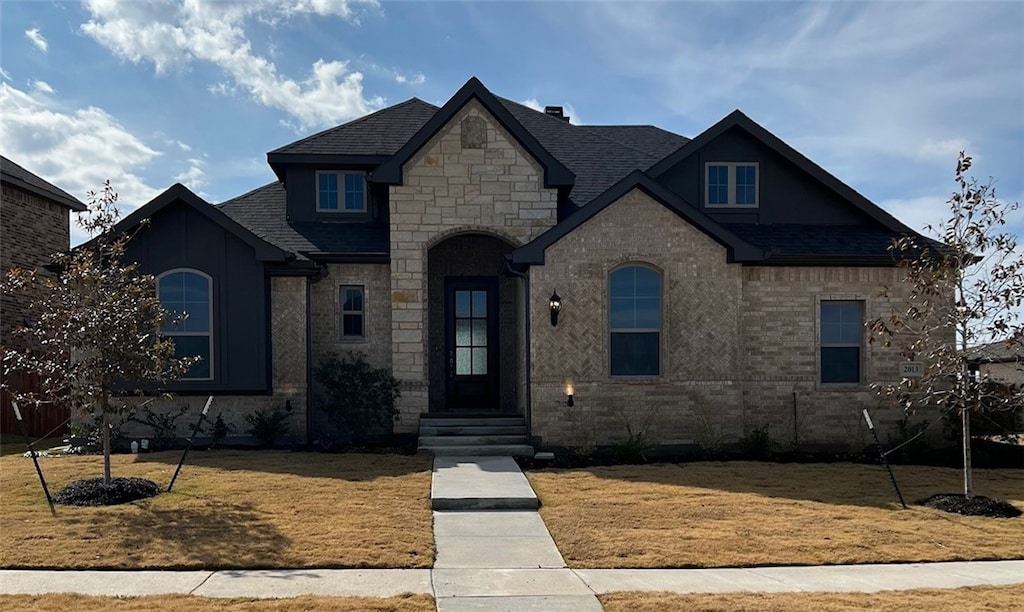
[
  {"x": 185, "y": 603},
  {"x": 229, "y": 509},
  {"x": 745, "y": 514},
  {"x": 963, "y": 599}
]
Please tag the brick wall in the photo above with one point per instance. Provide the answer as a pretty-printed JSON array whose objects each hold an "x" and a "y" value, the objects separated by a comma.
[
  {"x": 31, "y": 229},
  {"x": 472, "y": 177},
  {"x": 737, "y": 342}
]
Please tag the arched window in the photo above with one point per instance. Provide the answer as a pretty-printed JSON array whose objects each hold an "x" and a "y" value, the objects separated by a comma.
[
  {"x": 635, "y": 321},
  {"x": 188, "y": 292}
]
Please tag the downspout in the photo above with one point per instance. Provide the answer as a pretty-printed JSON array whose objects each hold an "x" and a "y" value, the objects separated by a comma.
[{"x": 507, "y": 267}]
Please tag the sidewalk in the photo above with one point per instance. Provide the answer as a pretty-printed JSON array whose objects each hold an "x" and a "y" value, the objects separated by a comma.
[{"x": 500, "y": 559}]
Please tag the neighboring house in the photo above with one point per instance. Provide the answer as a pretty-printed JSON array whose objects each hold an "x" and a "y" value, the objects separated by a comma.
[
  {"x": 706, "y": 287},
  {"x": 34, "y": 224},
  {"x": 999, "y": 362}
]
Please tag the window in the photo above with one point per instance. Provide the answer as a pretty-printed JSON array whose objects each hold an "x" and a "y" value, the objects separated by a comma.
[
  {"x": 842, "y": 328},
  {"x": 352, "y": 313},
  {"x": 186, "y": 294},
  {"x": 635, "y": 321},
  {"x": 340, "y": 192},
  {"x": 731, "y": 184}
]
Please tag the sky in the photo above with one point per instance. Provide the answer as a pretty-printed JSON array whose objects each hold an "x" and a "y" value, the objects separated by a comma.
[{"x": 147, "y": 93}]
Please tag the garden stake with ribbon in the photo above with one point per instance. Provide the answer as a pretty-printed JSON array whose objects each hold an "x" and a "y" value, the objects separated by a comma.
[
  {"x": 35, "y": 458},
  {"x": 195, "y": 430},
  {"x": 885, "y": 460}
]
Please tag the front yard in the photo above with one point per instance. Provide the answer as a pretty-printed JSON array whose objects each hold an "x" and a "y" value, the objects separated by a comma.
[
  {"x": 187, "y": 603},
  {"x": 229, "y": 509},
  {"x": 743, "y": 514}
]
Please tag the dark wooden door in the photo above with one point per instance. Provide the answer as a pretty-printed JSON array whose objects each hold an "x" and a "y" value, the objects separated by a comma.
[{"x": 471, "y": 340}]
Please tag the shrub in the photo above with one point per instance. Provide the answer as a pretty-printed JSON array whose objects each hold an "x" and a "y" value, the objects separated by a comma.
[
  {"x": 218, "y": 430},
  {"x": 269, "y": 425},
  {"x": 163, "y": 424},
  {"x": 358, "y": 398},
  {"x": 757, "y": 443}
]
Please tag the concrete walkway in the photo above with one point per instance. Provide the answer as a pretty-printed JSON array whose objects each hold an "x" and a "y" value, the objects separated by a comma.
[{"x": 506, "y": 560}]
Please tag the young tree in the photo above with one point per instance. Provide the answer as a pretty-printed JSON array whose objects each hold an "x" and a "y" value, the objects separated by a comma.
[
  {"x": 96, "y": 332},
  {"x": 962, "y": 292}
]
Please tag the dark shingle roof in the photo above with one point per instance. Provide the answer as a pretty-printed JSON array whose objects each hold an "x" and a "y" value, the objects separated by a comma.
[
  {"x": 11, "y": 172},
  {"x": 380, "y": 133},
  {"x": 262, "y": 212},
  {"x": 792, "y": 240},
  {"x": 648, "y": 138}
]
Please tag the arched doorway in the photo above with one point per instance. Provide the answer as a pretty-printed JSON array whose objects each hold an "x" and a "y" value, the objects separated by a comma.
[{"x": 472, "y": 336}]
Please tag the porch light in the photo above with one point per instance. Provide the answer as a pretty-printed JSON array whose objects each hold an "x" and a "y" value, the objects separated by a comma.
[
  {"x": 556, "y": 305},
  {"x": 568, "y": 395}
]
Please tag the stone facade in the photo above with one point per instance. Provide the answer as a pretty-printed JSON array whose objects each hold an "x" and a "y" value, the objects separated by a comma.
[
  {"x": 32, "y": 229},
  {"x": 739, "y": 344},
  {"x": 485, "y": 183}
]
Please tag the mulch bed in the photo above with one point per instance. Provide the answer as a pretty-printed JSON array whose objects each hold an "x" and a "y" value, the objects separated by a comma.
[
  {"x": 93, "y": 492},
  {"x": 978, "y": 505}
]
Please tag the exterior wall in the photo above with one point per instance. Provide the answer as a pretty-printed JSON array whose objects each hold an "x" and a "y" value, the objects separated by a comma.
[
  {"x": 491, "y": 186},
  {"x": 737, "y": 342},
  {"x": 1009, "y": 373},
  {"x": 31, "y": 229}
]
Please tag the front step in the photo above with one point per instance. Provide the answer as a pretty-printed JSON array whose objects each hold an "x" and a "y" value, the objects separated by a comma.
[{"x": 452, "y": 436}]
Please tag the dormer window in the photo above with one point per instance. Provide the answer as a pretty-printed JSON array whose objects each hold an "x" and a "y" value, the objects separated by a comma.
[
  {"x": 340, "y": 192},
  {"x": 731, "y": 184}
]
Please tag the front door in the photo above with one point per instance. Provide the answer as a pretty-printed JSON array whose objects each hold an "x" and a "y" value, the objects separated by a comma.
[{"x": 471, "y": 339}]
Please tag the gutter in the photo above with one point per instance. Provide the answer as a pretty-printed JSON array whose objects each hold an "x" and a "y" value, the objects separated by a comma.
[{"x": 507, "y": 268}]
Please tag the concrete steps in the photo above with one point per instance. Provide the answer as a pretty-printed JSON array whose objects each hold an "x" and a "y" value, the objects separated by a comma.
[{"x": 474, "y": 436}]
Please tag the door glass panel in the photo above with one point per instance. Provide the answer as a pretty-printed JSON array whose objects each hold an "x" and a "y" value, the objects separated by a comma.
[
  {"x": 462, "y": 336},
  {"x": 479, "y": 361},
  {"x": 463, "y": 365},
  {"x": 480, "y": 304},
  {"x": 462, "y": 303},
  {"x": 479, "y": 332}
]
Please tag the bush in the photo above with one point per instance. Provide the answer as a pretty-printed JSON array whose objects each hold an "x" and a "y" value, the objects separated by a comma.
[
  {"x": 268, "y": 426},
  {"x": 218, "y": 430},
  {"x": 757, "y": 443},
  {"x": 358, "y": 398},
  {"x": 163, "y": 424}
]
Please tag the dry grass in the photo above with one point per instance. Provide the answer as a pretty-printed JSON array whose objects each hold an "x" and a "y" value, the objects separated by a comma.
[
  {"x": 186, "y": 603},
  {"x": 963, "y": 599},
  {"x": 229, "y": 509},
  {"x": 743, "y": 514},
  {"x": 15, "y": 445}
]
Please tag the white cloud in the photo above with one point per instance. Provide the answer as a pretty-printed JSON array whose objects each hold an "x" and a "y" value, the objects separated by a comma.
[
  {"x": 194, "y": 177},
  {"x": 74, "y": 149},
  {"x": 41, "y": 87},
  {"x": 5, "y": 75},
  {"x": 182, "y": 145},
  {"x": 567, "y": 109},
  {"x": 37, "y": 39},
  {"x": 417, "y": 79},
  {"x": 171, "y": 34}
]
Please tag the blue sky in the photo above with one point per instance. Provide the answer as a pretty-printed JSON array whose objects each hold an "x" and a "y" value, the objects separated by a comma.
[{"x": 883, "y": 95}]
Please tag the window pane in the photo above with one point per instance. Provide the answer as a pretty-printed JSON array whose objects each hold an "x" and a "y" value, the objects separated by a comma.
[
  {"x": 623, "y": 315},
  {"x": 648, "y": 313},
  {"x": 462, "y": 361},
  {"x": 187, "y": 346},
  {"x": 352, "y": 325},
  {"x": 352, "y": 299},
  {"x": 328, "y": 182},
  {"x": 462, "y": 303},
  {"x": 198, "y": 317},
  {"x": 479, "y": 303},
  {"x": 480, "y": 332},
  {"x": 462, "y": 332},
  {"x": 328, "y": 201},
  {"x": 831, "y": 334},
  {"x": 648, "y": 282},
  {"x": 745, "y": 195},
  {"x": 622, "y": 282},
  {"x": 850, "y": 333},
  {"x": 195, "y": 287},
  {"x": 479, "y": 361},
  {"x": 634, "y": 354},
  {"x": 830, "y": 313},
  {"x": 840, "y": 364},
  {"x": 170, "y": 289},
  {"x": 355, "y": 192}
]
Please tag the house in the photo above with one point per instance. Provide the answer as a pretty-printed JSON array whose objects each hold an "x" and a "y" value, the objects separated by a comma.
[
  {"x": 584, "y": 281},
  {"x": 34, "y": 224}
]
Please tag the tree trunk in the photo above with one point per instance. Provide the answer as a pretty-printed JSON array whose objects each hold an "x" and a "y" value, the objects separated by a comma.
[
  {"x": 106, "y": 448},
  {"x": 968, "y": 479}
]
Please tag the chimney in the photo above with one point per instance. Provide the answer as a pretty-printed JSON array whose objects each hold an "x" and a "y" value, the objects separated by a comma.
[{"x": 556, "y": 111}]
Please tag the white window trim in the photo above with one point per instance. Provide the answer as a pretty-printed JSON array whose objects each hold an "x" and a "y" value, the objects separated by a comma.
[
  {"x": 341, "y": 192},
  {"x": 660, "y": 330},
  {"x": 209, "y": 334},
  {"x": 342, "y": 312},
  {"x": 732, "y": 184},
  {"x": 862, "y": 345}
]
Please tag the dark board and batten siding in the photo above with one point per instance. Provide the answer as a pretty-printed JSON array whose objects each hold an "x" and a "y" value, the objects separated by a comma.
[{"x": 180, "y": 237}]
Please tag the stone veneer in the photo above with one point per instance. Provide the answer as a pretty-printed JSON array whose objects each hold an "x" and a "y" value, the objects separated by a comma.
[
  {"x": 33, "y": 229},
  {"x": 489, "y": 186},
  {"x": 737, "y": 341}
]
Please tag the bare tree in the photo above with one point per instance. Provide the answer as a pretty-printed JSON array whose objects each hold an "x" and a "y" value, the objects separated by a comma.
[
  {"x": 964, "y": 291},
  {"x": 96, "y": 332}
]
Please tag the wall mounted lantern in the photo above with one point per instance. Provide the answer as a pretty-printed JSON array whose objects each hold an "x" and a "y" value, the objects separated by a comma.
[
  {"x": 556, "y": 305},
  {"x": 568, "y": 396}
]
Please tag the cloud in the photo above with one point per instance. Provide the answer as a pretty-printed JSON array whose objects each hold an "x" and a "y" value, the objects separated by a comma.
[
  {"x": 171, "y": 35},
  {"x": 567, "y": 109},
  {"x": 416, "y": 79},
  {"x": 5, "y": 75},
  {"x": 55, "y": 143},
  {"x": 182, "y": 145},
  {"x": 194, "y": 177},
  {"x": 41, "y": 87},
  {"x": 37, "y": 39}
]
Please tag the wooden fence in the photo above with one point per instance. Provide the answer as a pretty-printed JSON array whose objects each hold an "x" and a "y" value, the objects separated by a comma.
[{"x": 45, "y": 421}]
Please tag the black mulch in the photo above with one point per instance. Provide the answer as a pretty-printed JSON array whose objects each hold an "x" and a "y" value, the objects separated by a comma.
[
  {"x": 979, "y": 505},
  {"x": 92, "y": 492}
]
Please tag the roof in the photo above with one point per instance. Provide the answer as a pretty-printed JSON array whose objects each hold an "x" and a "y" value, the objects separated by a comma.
[
  {"x": 813, "y": 244},
  {"x": 262, "y": 212},
  {"x": 179, "y": 193},
  {"x": 14, "y": 174},
  {"x": 1000, "y": 351}
]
